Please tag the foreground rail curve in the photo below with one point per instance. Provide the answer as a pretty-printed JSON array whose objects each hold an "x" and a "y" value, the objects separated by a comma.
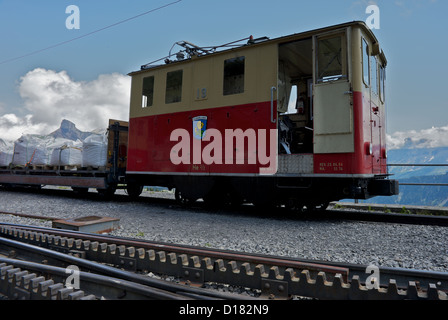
[{"x": 194, "y": 267}]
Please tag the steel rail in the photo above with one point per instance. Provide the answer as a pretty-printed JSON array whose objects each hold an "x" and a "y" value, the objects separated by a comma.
[
  {"x": 278, "y": 282},
  {"x": 19, "y": 284},
  {"x": 417, "y": 219},
  {"x": 434, "y": 218},
  {"x": 95, "y": 284},
  {"x": 134, "y": 282},
  {"x": 190, "y": 250}
]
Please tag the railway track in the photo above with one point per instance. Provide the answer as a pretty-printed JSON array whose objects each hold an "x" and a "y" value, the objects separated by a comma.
[
  {"x": 337, "y": 212},
  {"x": 111, "y": 260},
  {"x": 433, "y": 216},
  {"x": 386, "y": 217}
]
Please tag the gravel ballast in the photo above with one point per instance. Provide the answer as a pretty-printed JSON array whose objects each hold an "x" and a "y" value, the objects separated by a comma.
[{"x": 381, "y": 244}]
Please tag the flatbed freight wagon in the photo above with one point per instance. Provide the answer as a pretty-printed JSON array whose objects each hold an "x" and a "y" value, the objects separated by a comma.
[{"x": 105, "y": 178}]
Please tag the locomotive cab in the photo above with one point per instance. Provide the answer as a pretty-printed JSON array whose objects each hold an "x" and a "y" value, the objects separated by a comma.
[{"x": 332, "y": 91}]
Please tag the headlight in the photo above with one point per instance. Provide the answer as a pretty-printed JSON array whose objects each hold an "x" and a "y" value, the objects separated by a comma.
[{"x": 368, "y": 148}]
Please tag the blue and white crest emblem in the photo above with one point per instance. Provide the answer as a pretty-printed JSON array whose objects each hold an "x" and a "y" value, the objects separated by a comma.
[{"x": 199, "y": 127}]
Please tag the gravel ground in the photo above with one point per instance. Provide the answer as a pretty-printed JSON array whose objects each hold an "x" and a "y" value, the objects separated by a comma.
[{"x": 381, "y": 244}]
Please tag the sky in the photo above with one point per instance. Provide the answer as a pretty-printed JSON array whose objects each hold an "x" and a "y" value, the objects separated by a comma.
[{"x": 49, "y": 72}]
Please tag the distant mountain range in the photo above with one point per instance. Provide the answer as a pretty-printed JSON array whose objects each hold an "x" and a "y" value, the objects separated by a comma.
[{"x": 417, "y": 194}]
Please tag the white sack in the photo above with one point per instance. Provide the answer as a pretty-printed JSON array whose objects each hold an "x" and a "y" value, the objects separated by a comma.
[
  {"x": 30, "y": 149},
  {"x": 5, "y": 154},
  {"x": 5, "y": 157},
  {"x": 66, "y": 155},
  {"x": 94, "y": 151}
]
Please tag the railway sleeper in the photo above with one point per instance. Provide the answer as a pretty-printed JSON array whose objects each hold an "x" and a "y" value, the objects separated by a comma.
[{"x": 271, "y": 281}]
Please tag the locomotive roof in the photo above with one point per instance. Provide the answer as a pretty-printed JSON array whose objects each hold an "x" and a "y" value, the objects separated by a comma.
[{"x": 251, "y": 42}]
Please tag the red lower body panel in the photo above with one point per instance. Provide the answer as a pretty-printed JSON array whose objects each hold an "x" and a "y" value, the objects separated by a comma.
[{"x": 166, "y": 143}]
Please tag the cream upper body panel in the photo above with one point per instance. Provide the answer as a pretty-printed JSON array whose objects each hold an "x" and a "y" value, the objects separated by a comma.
[
  {"x": 203, "y": 76},
  {"x": 203, "y": 82}
]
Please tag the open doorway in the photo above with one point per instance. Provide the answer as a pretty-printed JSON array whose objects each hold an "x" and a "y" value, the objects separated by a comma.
[{"x": 295, "y": 97}]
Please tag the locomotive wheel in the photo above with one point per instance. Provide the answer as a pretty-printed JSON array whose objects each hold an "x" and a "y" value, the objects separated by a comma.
[
  {"x": 213, "y": 200},
  {"x": 321, "y": 206},
  {"x": 265, "y": 206},
  {"x": 221, "y": 196},
  {"x": 236, "y": 200},
  {"x": 134, "y": 190},
  {"x": 294, "y": 205},
  {"x": 181, "y": 199}
]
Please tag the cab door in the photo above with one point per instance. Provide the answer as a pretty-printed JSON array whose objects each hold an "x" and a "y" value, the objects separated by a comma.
[
  {"x": 376, "y": 115},
  {"x": 332, "y": 94},
  {"x": 373, "y": 106}
]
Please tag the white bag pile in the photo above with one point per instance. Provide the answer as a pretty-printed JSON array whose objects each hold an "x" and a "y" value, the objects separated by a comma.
[
  {"x": 94, "y": 151},
  {"x": 38, "y": 150}
]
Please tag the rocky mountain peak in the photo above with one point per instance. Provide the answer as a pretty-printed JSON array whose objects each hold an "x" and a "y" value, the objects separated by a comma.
[{"x": 69, "y": 131}]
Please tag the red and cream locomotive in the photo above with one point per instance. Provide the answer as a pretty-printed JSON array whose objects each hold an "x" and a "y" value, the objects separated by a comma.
[{"x": 297, "y": 120}]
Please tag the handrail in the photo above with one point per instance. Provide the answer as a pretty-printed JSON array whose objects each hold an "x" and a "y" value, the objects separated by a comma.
[{"x": 272, "y": 104}]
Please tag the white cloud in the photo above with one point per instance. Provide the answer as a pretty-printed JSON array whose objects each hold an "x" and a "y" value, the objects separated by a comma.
[
  {"x": 50, "y": 96},
  {"x": 12, "y": 127},
  {"x": 427, "y": 138}
]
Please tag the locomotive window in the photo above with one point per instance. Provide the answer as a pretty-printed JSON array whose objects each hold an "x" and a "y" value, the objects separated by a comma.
[
  {"x": 365, "y": 62},
  {"x": 148, "y": 92},
  {"x": 374, "y": 66},
  {"x": 173, "y": 86},
  {"x": 331, "y": 64},
  {"x": 234, "y": 76}
]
